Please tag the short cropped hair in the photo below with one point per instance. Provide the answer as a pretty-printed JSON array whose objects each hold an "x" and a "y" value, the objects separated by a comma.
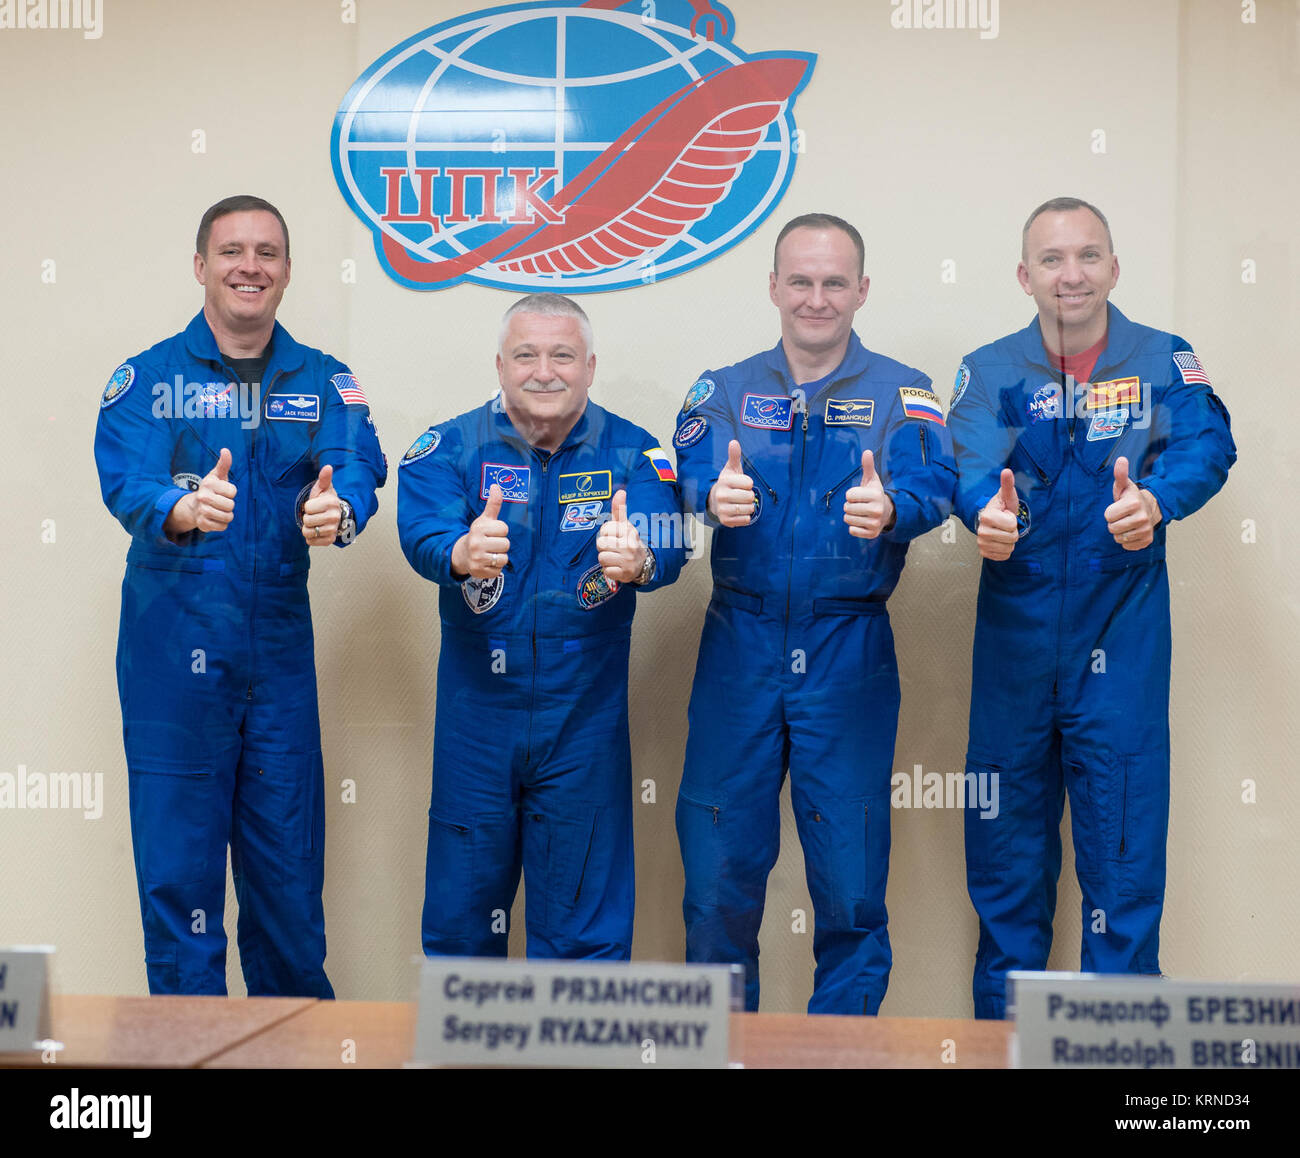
[
  {"x": 1062, "y": 205},
  {"x": 823, "y": 221},
  {"x": 551, "y": 306},
  {"x": 241, "y": 203}
]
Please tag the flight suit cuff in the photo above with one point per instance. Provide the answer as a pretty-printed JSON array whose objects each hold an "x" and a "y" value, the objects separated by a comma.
[{"x": 161, "y": 509}]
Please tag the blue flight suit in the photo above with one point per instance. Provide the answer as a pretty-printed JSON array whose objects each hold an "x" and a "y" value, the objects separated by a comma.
[
  {"x": 796, "y": 667},
  {"x": 215, "y": 663},
  {"x": 532, "y": 766},
  {"x": 1070, "y": 683}
]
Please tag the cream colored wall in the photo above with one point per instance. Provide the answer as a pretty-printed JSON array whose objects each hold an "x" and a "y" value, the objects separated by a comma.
[{"x": 936, "y": 143}]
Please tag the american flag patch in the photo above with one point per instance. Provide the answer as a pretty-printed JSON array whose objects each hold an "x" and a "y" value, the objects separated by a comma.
[
  {"x": 1189, "y": 366},
  {"x": 350, "y": 390}
]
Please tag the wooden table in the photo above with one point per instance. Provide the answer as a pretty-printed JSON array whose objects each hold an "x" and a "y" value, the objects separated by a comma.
[{"x": 282, "y": 1033}]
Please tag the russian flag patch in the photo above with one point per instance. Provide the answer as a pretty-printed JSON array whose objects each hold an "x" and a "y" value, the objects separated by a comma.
[
  {"x": 918, "y": 403},
  {"x": 661, "y": 462}
]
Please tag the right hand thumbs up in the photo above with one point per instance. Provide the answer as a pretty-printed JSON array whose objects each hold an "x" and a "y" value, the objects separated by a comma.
[
  {"x": 214, "y": 501},
  {"x": 484, "y": 549},
  {"x": 732, "y": 498},
  {"x": 998, "y": 531}
]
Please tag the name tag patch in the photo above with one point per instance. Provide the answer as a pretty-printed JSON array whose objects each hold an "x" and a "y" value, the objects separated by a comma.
[
  {"x": 850, "y": 411},
  {"x": 513, "y": 481},
  {"x": 293, "y": 407},
  {"x": 768, "y": 411},
  {"x": 1114, "y": 394},
  {"x": 581, "y": 488}
]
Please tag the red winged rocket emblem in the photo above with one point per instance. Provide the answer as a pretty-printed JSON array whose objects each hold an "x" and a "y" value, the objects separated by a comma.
[{"x": 647, "y": 187}]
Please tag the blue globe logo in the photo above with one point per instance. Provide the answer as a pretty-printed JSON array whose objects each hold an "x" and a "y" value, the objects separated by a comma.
[{"x": 568, "y": 147}]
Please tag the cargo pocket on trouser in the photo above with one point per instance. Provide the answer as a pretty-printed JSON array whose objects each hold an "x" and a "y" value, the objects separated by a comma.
[
  {"x": 1143, "y": 825},
  {"x": 449, "y": 927},
  {"x": 988, "y": 829},
  {"x": 846, "y": 853},
  {"x": 557, "y": 854},
  {"x": 700, "y": 837}
]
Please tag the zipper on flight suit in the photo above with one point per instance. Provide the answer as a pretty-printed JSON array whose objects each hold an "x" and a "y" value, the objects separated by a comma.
[
  {"x": 536, "y": 602},
  {"x": 800, "y": 406}
]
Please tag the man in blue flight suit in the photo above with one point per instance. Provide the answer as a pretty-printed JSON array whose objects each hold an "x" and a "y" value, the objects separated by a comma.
[
  {"x": 1078, "y": 440},
  {"x": 518, "y": 510},
  {"x": 818, "y": 461},
  {"x": 226, "y": 451}
]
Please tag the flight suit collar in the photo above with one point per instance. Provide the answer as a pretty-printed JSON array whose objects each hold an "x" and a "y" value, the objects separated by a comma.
[{"x": 284, "y": 353}]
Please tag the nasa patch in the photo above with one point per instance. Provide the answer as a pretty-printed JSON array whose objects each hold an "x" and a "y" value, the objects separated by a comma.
[
  {"x": 513, "y": 481},
  {"x": 293, "y": 407},
  {"x": 216, "y": 401},
  {"x": 483, "y": 594},
  {"x": 697, "y": 394},
  {"x": 594, "y": 589},
  {"x": 118, "y": 384},
  {"x": 1045, "y": 404},
  {"x": 959, "y": 386},
  {"x": 582, "y": 516},
  {"x": 690, "y": 432},
  {"x": 427, "y": 443},
  {"x": 768, "y": 411},
  {"x": 580, "y": 487},
  {"x": 1108, "y": 424},
  {"x": 850, "y": 411}
]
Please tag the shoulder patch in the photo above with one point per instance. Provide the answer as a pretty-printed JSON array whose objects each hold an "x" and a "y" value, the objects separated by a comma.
[
  {"x": 426, "y": 444},
  {"x": 1189, "y": 366},
  {"x": 919, "y": 403},
  {"x": 690, "y": 432},
  {"x": 118, "y": 384},
  {"x": 698, "y": 394},
  {"x": 350, "y": 390},
  {"x": 959, "y": 386},
  {"x": 662, "y": 463}
]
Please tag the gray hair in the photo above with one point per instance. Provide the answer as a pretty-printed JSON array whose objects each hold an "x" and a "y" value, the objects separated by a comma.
[{"x": 551, "y": 306}]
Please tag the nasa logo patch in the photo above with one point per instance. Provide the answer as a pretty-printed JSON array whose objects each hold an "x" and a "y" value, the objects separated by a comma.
[
  {"x": 427, "y": 443},
  {"x": 118, "y": 385},
  {"x": 768, "y": 411},
  {"x": 1045, "y": 404},
  {"x": 697, "y": 394},
  {"x": 690, "y": 432},
  {"x": 215, "y": 400},
  {"x": 594, "y": 589},
  {"x": 513, "y": 481},
  {"x": 483, "y": 594}
]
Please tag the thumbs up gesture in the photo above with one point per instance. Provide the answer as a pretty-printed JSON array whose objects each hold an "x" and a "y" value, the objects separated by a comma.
[
  {"x": 618, "y": 546},
  {"x": 1134, "y": 515},
  {"x": 867, "y": 509},
  {"x": 998, "y": 532},
  {"x": 484, "y": 550},
  {"x": 731, "y": 501},
  {"x": 210, "y": 508},
  {"x": 321, "y": 511}
]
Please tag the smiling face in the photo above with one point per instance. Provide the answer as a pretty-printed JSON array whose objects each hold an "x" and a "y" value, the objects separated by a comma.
[
  {"x": 1069, "y": 270},
  {"x": 243, "y": 274},
  {"x": 818, "y": 288},
  {"x": 545, "y": 372}
]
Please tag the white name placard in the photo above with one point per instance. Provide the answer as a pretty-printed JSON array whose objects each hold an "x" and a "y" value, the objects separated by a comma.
[
  {"x": 575, "y": 1013},
  {"x": 24, "y": 997},
  {"x": 1085, "y": 1020}
]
